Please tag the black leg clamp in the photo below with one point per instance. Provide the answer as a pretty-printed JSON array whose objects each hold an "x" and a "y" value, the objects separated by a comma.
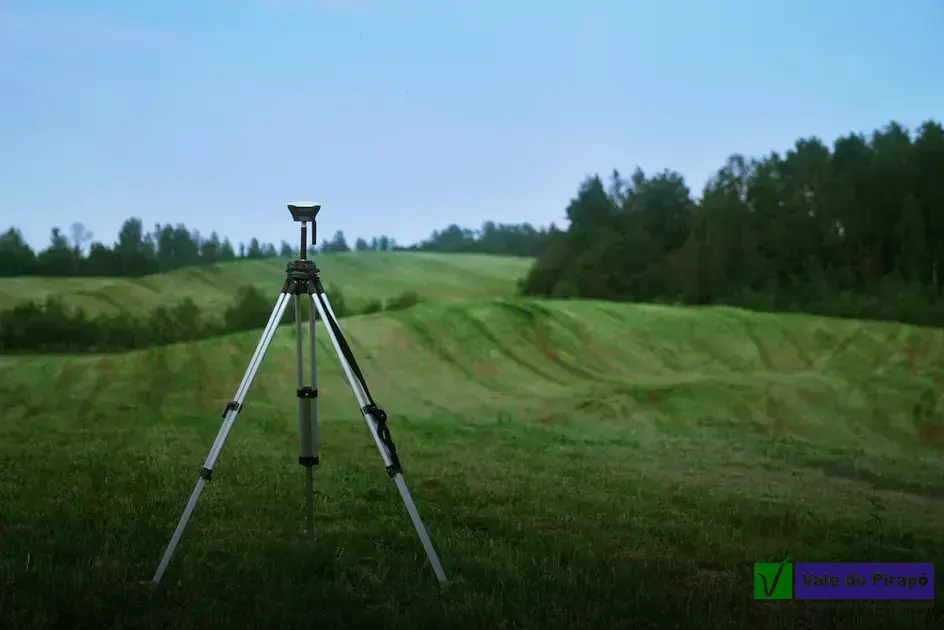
[
  {"x": 308, "y": 462},
  {"x": 307, "y": 392},
  {"x": 231, "y": 406},
  {"x": 206, "y": 474},
  {"x": 383, "y": 432}
]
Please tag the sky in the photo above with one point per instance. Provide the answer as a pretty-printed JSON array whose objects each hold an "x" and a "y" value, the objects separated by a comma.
[{"x": 403, "y": 116}]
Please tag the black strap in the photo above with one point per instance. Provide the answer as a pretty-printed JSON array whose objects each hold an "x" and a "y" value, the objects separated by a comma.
[
  {"x": 379, "y": 415},
  {"x": 383, "y": 432}
]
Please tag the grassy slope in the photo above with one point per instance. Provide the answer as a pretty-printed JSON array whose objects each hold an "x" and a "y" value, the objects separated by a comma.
[
  {"x": 578, "y": 464},
  {"x": 361, "y": 276}
]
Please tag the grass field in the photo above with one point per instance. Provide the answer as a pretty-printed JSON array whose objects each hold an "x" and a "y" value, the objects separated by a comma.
[
  {"x": 578, "y": 465},
  {"x": 361, "y": 276}
]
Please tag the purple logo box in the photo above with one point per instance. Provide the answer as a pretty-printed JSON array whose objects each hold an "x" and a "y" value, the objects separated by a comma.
[{"x": 864, "y": 580}]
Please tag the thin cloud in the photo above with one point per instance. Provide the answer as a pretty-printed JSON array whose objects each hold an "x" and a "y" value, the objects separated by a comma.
[
  {"x": 357, "y": 7},
  {"x": 44, "y": 48},
  {"x": 346, "y": 6},
  {"x": 40, "y": 26}
]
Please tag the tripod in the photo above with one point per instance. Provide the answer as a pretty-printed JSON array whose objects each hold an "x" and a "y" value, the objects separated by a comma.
[{"x": 302, "y": 278}]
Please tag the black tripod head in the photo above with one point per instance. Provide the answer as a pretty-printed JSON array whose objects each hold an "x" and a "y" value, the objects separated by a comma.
[{"x": 303, "y": 212}]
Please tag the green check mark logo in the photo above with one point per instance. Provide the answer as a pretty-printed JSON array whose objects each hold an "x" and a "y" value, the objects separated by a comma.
[
  {"x": 773, "y": 581},
  {"x": 769, "y": 589}
]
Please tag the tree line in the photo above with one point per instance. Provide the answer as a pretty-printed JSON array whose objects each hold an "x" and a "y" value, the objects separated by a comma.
[
  {"x": 855, "y": 229},
  {"x": 52, "y": 326},
  {"x": 506, "y": 239},
  {"x": 167, "y": 247},
  {"x": 851, "y": 230}
]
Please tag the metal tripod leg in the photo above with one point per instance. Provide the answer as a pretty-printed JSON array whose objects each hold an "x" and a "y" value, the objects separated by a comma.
[
  {"x": 314, "y": 401},
  {"x": 307, "y": 413},
  {"x": 362, "y": 400},
  {"x": 229, "y": 418}
]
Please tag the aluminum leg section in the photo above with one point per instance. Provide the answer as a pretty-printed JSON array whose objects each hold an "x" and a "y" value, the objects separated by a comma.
[{"x": 230, "y": 413}]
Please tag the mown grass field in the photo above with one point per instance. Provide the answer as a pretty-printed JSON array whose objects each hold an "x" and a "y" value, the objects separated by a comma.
[
  {"x": 361, "y": 276},
  {"x": 578, "y": 464}
]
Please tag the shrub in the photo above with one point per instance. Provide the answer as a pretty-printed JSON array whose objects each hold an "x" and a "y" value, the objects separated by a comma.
[
  {"x": 405, "y": 300},
  {"x": 373, "y": 306},
  {"x": 51, "y": 326},
  {"x": 338, "y": 303},
  {"x": 47, "y": 326},
  {"x": 250, "y": 310}
]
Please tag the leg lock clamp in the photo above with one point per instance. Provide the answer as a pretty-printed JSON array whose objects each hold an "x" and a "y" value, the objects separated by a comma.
[
  {"x": 307, "y": 392},
  {"x": 232, "y": 406}
]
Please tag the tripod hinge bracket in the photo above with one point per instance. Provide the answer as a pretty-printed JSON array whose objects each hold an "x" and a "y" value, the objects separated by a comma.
[
  {"x": 231, "y": 406},
  {"x": 307, "y": 392},
  {"x": 301, "y": 277},
  {"x": 299, "y": 287}
]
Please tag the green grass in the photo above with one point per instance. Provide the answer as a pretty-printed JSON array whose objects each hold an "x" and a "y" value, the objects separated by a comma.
[
  {"x": 361, "y": 276},
  {"x": 578, "y": 465}
]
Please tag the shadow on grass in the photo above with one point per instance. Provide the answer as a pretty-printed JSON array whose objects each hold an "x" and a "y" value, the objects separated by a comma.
[{"x": 841, "y": 470}]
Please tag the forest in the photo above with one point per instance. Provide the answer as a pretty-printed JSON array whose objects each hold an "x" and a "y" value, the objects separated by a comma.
[
  {"x": 50, "y": 325},
  {"x": 167, "y": 247},
  {"x": 855, "y": 229},
  {"x": 851, "y": 230}
]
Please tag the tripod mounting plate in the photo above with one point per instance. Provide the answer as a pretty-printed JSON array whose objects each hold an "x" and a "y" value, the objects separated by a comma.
[
  {"x": 304, "y": 211},
  {"x": 302, "y": 270}
]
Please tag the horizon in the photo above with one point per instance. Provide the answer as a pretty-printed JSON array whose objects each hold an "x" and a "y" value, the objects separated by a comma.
[{"x": 429, "y": 114}]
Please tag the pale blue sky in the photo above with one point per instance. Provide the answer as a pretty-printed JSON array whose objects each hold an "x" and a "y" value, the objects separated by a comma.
[{"x": 402, "y": 116}]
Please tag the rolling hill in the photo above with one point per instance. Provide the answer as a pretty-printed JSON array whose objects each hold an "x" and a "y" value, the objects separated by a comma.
[
  {"x": 360, "y": 275},
  {"x": 578, "y": 463}
]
